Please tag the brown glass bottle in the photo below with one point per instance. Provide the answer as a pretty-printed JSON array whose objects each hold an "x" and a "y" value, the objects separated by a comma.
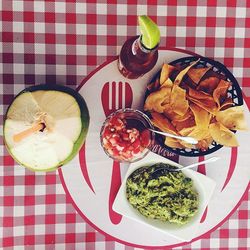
[{"x": 135, "y": 59}]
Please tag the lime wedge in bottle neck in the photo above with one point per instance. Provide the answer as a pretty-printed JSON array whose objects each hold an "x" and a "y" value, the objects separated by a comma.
[{"x": 150, "y": 32}]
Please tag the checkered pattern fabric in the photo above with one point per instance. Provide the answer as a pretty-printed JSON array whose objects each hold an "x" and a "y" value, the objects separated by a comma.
[{"x": 61, "y": 42}]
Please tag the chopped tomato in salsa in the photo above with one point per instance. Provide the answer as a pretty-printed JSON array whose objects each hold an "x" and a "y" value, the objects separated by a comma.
[{"x": 123, "y": 142}]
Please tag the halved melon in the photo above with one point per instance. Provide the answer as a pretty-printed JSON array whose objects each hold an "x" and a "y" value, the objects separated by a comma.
[{"x": 45, "y": 126}]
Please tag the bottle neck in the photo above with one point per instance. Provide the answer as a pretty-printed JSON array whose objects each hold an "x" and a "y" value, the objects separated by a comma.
[
  {"x": 144, "y": 48},
  {"x": 138, "y": 47}
]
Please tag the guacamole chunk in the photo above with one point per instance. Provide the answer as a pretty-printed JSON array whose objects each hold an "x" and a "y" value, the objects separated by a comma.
[{"x": 162, "y": 194}]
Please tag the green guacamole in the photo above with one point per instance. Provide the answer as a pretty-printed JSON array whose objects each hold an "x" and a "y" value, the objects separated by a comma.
[{"x": 163, "y": 195}]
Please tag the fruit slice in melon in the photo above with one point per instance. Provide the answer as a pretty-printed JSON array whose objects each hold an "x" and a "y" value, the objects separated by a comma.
[{"x": 64, "y": 118}]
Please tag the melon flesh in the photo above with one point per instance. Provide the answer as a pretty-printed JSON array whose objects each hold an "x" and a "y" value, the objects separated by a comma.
[
  {"x": 61, "y": 115},
  {"x": 23, "y": 108}
]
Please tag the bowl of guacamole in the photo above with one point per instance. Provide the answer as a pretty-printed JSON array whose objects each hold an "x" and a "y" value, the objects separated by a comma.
[
  {"x": 160, "y": 194},
  {"x": 169, "y": 202}
]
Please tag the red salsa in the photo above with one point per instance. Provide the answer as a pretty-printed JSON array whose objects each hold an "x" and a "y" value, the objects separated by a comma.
[{"x": 125, "y": 139}]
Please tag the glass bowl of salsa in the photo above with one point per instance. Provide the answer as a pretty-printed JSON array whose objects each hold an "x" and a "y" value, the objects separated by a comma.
[{"x": 125, "y": 135}]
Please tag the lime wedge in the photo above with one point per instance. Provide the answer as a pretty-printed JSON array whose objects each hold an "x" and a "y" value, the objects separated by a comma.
[{"x": 150, "y": 32}]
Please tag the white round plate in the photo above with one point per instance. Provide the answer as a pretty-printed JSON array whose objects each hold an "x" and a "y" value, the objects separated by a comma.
[{"x": 87, "y": 179}]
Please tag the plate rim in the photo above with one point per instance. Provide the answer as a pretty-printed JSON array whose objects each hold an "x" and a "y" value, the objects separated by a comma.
[{"x": 60, "y": 172}]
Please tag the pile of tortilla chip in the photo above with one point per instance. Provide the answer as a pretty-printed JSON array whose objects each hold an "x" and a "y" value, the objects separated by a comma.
[{"x": 194, "y": 101}]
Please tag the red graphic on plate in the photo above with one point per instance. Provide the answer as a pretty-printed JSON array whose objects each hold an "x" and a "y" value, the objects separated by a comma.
[
  {"x": 83, "y": 165},
  {"x": 114, "y": 187},
  {"x": 234, "y": 153},
  {"x": 201, "y": 168},
  {"x": 203, "y": 218},
  {"x": 115, "y": 95}
]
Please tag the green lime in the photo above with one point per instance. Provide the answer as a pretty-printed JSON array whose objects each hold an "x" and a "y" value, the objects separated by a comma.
[{"x": 150, "y": 32}]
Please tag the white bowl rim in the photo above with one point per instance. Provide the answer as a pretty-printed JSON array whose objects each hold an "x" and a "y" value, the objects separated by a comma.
[{"x": 203, "y": 185}]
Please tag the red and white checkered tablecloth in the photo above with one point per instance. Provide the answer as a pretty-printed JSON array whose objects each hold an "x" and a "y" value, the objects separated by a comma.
[{"x": 61, "y": 42}]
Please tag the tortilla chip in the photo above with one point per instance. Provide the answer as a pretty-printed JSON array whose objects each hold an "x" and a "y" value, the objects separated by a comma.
[
  {"x": 169, "y": 112},
  {"x": 187, "y": 145},
  {"x": 168, "y": 83},
  {"x": 184, "y": 117},
  {"x": 186, "y": 131},
  {"x": 188, "y": 123},
  {"x": 165, "y": 72},
  {"x": 223, "y": 135},
  {"x": 153, "y": 85},
  {"x": 172, "y": 143},
  {"x": 180, "y": 76},
  {"x": 212, "y": 73},
  {"x": 196, "y": 74},
  {"x": 204, "y": 144},
  {"x": 202, "y": 121},
  {"x": 227, "y": 103},
  {"x": 205, "y": 104},
  {"x": 178, "y": 100},
  {"x": 175, "y": 73},
  {"x": 220, "y": 93},
  {"x": 167, "y": 99},
  {"x": 161, "y": 122},
  {"x": 187, "y": 85},
  {"x": 203, "y": 100},
  {"x": 171, "y": 115},
  {"x": 202, "y": 117},
  {"x": 200, "y": 134},
  {"x": 232, "y": 118},
  {"x": 156, "y": 100},
  {"x": 208, "y": 85}
]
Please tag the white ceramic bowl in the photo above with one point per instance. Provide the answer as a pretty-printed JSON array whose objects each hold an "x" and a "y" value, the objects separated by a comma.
[{"x": 203, "y": 185}]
